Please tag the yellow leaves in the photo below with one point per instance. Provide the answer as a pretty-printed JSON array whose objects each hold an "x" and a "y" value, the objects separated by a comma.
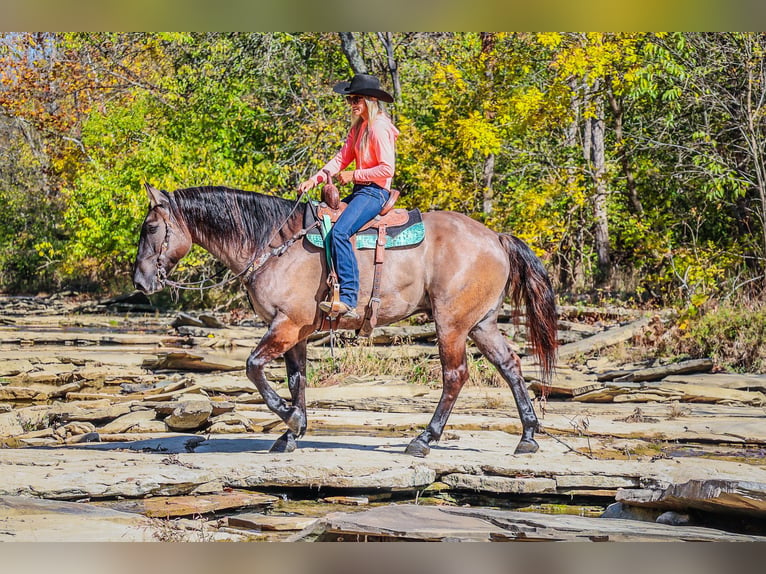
[
  {"x": 45, "y": 250},
  {"x": 477, "y": 134},
  {"x": 528, "y": 102},
  {"x": 450, "y": 79},
  {"x": 449, "y": 74},
  {"x": 596, "y": 55},
  {"x": 550, "y": 39}
]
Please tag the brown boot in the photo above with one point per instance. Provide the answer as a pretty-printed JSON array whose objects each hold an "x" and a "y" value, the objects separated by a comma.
[{"x": 340, "y": 309}]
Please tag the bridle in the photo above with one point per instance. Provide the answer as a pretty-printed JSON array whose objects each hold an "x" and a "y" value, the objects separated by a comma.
[{"x": 253, "y": 265}]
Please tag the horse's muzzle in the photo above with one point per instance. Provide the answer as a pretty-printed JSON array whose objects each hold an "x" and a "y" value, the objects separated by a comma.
[{"x": 147, "y": 283}]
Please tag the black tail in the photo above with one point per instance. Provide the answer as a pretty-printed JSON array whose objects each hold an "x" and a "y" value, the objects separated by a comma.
[{"x": 530, "y": 285}]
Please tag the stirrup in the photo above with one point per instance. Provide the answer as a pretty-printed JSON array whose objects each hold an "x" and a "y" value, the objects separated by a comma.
[{"x": 335, "y": 309}]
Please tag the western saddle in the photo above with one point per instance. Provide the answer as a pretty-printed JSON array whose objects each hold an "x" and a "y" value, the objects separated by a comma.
[{"x": 331, "y": 207}]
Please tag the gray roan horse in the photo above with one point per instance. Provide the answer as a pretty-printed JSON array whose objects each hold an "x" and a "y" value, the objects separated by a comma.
[{"x": 460, "y": 274}]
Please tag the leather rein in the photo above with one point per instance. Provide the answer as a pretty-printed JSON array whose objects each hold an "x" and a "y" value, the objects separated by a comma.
[{"x": 255, "y": 262}]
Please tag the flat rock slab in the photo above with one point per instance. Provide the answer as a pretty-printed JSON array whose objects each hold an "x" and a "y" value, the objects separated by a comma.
[
  {"x": 604, "y": 339},
  {"x": 167, "y": 507},
  {"x": 436, "y": 523},
  {"x": 480, "y": 461},
  {"x": 723, "y": 380},
  {"x": 33, "y": 520},
  {"x": 711, "y": 495},
  {"x": 255, "y": 521}
]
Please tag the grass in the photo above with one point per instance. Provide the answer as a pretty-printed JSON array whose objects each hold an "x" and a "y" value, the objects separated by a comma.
[
  {"x": 732, "y": 334},
  {"x": 362, "y": 360}
]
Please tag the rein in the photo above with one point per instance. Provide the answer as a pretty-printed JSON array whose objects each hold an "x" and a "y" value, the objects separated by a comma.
[{"x": 255, "y": 262}]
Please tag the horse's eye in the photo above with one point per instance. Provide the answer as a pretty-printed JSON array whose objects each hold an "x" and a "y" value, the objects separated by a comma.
[{"x": 152, "y": 229}]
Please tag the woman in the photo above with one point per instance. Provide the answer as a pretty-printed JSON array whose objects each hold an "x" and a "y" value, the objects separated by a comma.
[{"x": 370, "y": 144}]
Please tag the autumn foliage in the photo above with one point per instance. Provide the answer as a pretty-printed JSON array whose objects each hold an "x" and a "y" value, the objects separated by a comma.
[{"x": 631, "y": 162}]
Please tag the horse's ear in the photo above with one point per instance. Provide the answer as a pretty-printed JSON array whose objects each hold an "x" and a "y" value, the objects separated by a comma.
[{"x": 156, "y": 197}]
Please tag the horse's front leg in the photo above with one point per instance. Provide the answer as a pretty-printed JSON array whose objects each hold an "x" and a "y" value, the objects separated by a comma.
[
  {"x": 295, "y": 363},
  {"x": 281, "y": 337}
]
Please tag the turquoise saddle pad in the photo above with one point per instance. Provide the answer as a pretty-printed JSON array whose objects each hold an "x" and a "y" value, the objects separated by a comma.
[{"x": 411, "y": 233}]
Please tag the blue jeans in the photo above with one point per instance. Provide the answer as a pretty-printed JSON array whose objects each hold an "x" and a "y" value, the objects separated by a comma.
[{"x": 364, "y": 203}]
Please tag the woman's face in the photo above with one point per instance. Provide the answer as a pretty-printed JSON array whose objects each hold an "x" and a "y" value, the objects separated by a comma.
[{"x": 358, "y": 106}]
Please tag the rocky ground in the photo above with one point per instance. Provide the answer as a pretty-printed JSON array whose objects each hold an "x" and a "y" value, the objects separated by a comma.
[{"x": 123, "y": 423}]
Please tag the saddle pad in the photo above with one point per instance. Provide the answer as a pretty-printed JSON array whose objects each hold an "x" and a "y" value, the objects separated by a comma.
[{"x": 411, "y": 233}]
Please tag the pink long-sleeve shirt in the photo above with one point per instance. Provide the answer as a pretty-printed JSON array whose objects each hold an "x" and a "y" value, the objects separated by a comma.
[{"x": 375, "y": 162}]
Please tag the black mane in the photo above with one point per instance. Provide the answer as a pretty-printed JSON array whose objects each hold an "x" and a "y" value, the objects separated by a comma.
[{"x": 226, "y": 216}]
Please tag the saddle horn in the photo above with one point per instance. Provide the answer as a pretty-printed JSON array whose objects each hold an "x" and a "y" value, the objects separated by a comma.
[{"x": 330, "y": 193}]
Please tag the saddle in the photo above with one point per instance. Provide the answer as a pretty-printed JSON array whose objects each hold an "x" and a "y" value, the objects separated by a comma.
[{"x": 391, "y": 228}]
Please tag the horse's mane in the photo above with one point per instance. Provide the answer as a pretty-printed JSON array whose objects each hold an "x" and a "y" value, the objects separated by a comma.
[{"x": 232, "y": 217}]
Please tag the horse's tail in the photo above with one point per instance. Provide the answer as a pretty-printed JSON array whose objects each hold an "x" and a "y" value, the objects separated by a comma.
[{"x": 529, "y": 284}]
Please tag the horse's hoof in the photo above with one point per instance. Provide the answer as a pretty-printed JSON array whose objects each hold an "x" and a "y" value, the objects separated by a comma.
[
  {"x": 526, "y": 446},
  {"x": 285, "y": 443},
  {"x": 418, "y": 448}
]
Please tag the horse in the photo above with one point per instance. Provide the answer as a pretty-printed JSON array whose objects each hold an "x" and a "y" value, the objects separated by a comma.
[{"x": 460, "y": 274}]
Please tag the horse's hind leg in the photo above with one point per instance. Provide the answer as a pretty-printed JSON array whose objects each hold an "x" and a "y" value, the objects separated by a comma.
[
  {"x": 493, "y": 345},
  {"x": 295, "y": 362},
  {"x": 281, "y": 337},
  {"x": 454, "y": 376}
]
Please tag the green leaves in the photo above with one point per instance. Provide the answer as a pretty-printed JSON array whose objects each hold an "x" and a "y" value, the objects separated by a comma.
[{"x": 496, "y": 125}]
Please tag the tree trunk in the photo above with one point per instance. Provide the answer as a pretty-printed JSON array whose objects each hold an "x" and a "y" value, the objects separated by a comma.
[
  {"x": 600, "y": 196},
  {"x": 386, "y": 38},
  {"x": 487, "y": 176},
  {"x": 618, "y": 112},
  {"x": 488, "y": 169},
  {"x": 351, "y": 50},
  {"x": 572, "y": 273}
]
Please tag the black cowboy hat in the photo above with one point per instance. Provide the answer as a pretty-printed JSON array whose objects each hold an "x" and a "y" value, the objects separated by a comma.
[{"x": 363, "y": 85}]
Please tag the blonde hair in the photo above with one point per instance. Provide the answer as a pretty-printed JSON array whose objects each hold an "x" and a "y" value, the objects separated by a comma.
[{"x": 374, "y": 108}]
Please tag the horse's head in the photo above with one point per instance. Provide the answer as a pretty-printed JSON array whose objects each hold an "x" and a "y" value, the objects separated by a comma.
[{"x": 164, "y": 242}]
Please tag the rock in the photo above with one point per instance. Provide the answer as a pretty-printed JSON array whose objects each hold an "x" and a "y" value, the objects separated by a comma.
[
  {"x": 255, "y": 521},
  {"x": 126, "y": 422},
  {"x": 9, "y": 393},
  {"x": 190, "y": 415},
  {"x": 567, "y": 385},
  {"x": 712, "y": 495},
  {"x": 226, "y": 384},
  {"x": 13, "y": 367},
  {"x": 673, "y": 519},
  {"x": 130, "y": 388},
  {"x": 724, "y": 380},
  {"x": 657, "y": 373},
  {"x": 233, "y": 423},
  {"x": 442, "y": 523},
  {"x": 10, "y": 424},
  {"x": 186, "y": 320},
  {"x": 595, "y": 481},
  {"x": 84, "y": 438},
  {"x": 94, "y": 415},
  {"x": 74, "y": 428},
  {"x": 604, "y": 339},
  {"x": 499, "y": 484},
  {"x": 34, "y": 520},
  {"x": 210, "y": 321},
  {"x": 167, "y": 507},
  {"x": 626, "y": 512},
  {"x": 184, "y": 361}
]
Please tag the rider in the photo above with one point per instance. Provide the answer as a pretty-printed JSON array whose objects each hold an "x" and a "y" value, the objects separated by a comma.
[{"x": 370, "y": 144}]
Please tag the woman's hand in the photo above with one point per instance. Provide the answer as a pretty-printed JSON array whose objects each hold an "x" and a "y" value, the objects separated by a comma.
[
  {"x": 304, "y": 186},
  {"x": 346, "y": 177}
]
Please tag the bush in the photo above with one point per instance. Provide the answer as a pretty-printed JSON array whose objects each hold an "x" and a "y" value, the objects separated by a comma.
[{"x": 733, "y": 335}]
